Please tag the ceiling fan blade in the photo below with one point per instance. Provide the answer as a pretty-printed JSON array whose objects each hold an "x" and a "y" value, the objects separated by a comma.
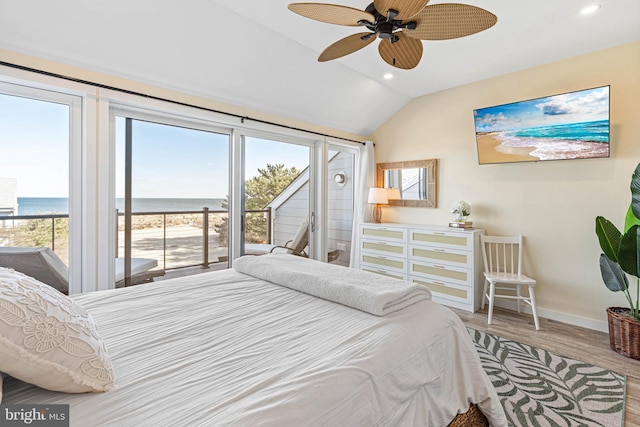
[
  {"x": 405, "y": 53},
  {"x": 450, "y": 21},
  {"x": 331, "y": 13},
  {"x": 346, "y": 46},
  {"x": 406, "y": 8}
]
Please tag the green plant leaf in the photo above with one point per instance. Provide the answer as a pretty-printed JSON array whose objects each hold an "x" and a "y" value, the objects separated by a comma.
[
  {"x": 635, "y": 192},
  {"x": 628, "y": 250},
  {"x": 630, "y": 220},
  {"x": 612, "y": 276},
  {"x": 609, "y": 237}
]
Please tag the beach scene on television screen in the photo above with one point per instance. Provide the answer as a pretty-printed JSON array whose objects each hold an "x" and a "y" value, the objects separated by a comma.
[{"x": 568, "y": 126}]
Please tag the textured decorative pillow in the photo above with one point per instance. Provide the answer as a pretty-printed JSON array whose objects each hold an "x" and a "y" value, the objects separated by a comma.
[{"x": 49, "y": 340}]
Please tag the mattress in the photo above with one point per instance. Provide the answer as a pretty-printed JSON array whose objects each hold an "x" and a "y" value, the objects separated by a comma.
[{"x": 225, "y": 348}]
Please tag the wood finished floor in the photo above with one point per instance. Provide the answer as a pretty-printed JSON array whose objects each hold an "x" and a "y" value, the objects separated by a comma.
[{"x": 566, "y": 340}]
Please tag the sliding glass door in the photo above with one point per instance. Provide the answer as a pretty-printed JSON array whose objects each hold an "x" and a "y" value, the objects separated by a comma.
[
  {"x": 276, "y": 206},
  {"x": 172, "y": 186},
  {"x": 340, "y": 202},
  {"x": 40, "y": 176}
]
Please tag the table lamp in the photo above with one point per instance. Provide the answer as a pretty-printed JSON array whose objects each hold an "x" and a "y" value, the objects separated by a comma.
[{"x": 377, "y": 197}]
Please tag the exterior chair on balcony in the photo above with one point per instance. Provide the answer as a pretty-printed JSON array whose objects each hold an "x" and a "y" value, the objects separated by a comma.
[
  {"x": 295, "y": 246},
  {"x": 46, "y": 266}
]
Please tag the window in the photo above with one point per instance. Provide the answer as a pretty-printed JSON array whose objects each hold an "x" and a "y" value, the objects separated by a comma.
[
  {"x": 40, "y": 173},
  {"x": 172, "y": 184}
]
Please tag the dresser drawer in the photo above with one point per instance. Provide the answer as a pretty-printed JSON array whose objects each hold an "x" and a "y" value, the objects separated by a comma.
[
  {"x": 382, "y": 247},
  {"x": 442, "y": 239},
  {"x": 390, "y": 234},
  {"x": 433, "y": 254},
  {"x": 388, "y": 273},
  {"x": 447, "y": 293},
  {"x": 381, "y": 262},
  {"x": 440, "y": 271}
]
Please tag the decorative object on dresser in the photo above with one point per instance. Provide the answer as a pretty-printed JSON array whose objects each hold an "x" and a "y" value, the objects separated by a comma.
[
  {"x": 416, "y": 182},
  {"x": 621, "y": 257},
  {"x": 461, "y": 224},
  {"x": 377, "y": 197},
  {"x": 446, "y": 260},
  {"x": 502, "y": 257},
  {"x": 461, "y": 210}
]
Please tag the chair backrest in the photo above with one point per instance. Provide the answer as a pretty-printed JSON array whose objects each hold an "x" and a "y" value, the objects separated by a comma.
[
  {"x": 502, "y": 254},
  {"x": 40, "y": 263},
  {"x": 301, "y": 239}
]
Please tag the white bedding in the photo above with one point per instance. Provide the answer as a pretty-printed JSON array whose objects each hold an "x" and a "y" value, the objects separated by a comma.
[{"x": 226, "y": 349}]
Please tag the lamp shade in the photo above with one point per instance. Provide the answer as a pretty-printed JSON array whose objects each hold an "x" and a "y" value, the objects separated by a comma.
[
  {"x": 378, "y": 196},
  {"x": 393, "y": 194}
]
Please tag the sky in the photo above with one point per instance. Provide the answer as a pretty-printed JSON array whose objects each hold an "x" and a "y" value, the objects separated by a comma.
[
  {"x": 169, "y": 162},
  {"x": 174, "y": 162},
  {"x": 34, "y": 146},
  {"x": 576, "y": 107}
]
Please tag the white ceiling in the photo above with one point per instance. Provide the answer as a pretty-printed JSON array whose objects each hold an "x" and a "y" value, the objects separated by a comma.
[{"x": 258, "y": 54}]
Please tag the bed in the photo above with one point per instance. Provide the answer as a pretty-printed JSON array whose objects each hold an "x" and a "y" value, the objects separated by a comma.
[{"x": 229, "y": 348}]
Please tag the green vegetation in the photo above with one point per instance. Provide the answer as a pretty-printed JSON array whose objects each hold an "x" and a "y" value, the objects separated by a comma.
[
  {"x": 259, "y": 192},
  {"x": 622, "y": 250}
]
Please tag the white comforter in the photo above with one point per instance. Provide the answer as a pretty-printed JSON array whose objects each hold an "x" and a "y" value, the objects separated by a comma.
[{"x": 226, "y": 349}]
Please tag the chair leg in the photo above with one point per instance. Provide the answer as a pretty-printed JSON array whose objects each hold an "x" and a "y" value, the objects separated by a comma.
[
  {"x": 519, "y": 293},
  {"x": 532, "y": 295},
  {"x": 484, "y": 294},
  {"x": 492, "y": 293}
]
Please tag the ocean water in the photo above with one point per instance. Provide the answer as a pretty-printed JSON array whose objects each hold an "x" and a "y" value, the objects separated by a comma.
[
  {"x": 60, "y": 205},
  {"x": 571, "y": 141},
  {"x": 597, "y": 131}
]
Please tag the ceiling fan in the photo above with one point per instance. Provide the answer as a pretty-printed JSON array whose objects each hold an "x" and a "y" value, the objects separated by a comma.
[{"x": 400, "y": 24}]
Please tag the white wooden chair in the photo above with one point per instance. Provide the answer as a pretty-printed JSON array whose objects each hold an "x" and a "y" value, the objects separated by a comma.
[{"x": 502, "y": 256}]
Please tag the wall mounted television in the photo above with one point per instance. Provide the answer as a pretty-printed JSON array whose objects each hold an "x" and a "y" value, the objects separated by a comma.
[{"x": 573, "y": 125}]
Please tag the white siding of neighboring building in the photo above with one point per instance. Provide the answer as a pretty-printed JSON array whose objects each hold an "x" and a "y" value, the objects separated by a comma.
[
  {"x": 340, "y": 214},
  {"x": 291, "y": 213},
  {"x": 8, "y": 198}
]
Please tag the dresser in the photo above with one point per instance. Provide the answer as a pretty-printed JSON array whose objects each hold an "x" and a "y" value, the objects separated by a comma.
[{"x": 446, "y": 260}]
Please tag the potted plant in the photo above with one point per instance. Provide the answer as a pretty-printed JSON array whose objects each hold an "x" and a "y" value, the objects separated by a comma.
[{"x": 621, "y": 258}]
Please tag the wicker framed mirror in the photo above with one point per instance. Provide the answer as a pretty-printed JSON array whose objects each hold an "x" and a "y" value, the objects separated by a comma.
[{"x": 412, "y": 183}]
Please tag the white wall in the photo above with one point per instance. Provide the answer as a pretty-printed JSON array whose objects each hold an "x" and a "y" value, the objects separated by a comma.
[{"x": 554, "y": 204}]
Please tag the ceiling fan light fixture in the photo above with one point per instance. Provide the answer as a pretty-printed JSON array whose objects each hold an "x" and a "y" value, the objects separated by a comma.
[
  {"x": 387, "y": 76},
  {"x": 401, "y": 31},
  {"x": 590, "y": 9}
]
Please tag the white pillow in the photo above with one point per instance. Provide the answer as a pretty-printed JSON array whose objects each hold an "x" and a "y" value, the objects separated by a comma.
[{"x": 49, "y": 340}]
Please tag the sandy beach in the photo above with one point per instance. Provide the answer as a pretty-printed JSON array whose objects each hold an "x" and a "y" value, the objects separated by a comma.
[{"x": 490, "y": 151}]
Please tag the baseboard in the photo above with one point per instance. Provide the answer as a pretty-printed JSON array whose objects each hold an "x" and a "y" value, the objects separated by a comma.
[{"x": 570, "y": 319}]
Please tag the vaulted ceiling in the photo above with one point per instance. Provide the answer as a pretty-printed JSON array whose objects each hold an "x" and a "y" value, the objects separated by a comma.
[{"x": 260, "y": 55}]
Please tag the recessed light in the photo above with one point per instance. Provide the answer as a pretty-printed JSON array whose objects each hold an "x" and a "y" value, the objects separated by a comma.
[
  {"x": 388, "y": 76},
  {"x": 590, "y": 9}
]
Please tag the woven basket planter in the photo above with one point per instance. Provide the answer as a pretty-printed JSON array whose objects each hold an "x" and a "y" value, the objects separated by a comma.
[
  {"x": 472, "y": 418},
  {"x": 624, "y": 332}
]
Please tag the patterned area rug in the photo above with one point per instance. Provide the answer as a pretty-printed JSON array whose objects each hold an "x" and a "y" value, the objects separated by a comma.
[{"x": 538, "y": 388}]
